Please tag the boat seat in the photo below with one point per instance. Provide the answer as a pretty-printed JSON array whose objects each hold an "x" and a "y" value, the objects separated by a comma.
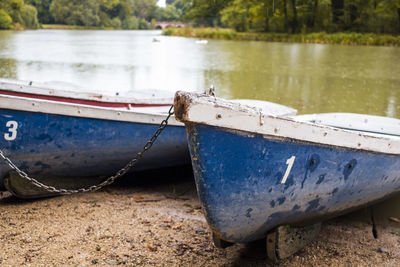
[
  {"x": 267, "y": 107},
  {"x": 356, "y": 122}
]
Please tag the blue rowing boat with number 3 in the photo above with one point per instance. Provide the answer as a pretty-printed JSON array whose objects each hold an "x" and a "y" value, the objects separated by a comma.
[
  {"x": 68, "y": 138},
  {"x": 256, "y": 172}
]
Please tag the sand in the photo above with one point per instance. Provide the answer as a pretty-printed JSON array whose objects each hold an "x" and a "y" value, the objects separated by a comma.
[{"x": 155, "y": 219}]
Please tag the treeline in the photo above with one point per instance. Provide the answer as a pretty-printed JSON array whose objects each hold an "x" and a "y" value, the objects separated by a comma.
[
  {"x": 118, "y": 14},
  {"x": 280, "y": 16},
  {"x": 298, "y": 16},
  {"x": 17, "y": 14}
]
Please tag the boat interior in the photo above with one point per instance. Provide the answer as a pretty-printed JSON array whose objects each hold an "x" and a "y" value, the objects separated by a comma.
[{"x": 371, "y": 124}]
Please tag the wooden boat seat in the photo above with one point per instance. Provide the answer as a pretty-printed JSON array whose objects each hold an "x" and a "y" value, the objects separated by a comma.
[
  {"x": 356, "y": 122},
  {"x": 267, "y": 107}
]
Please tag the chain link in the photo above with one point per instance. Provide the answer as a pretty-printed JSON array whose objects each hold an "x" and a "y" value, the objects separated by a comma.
[{"x": 109, "y": 180}]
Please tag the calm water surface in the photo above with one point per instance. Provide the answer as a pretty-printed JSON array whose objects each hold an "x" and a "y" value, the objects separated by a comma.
[{"x": 309, "y": 77}]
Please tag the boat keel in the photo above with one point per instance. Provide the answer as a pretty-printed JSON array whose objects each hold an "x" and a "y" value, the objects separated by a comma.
[
  {"x": 284, "y": 241},
  {"x": 22, "y": 188}
]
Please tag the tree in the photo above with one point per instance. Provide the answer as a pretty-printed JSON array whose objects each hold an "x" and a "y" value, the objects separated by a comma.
[
  {"x": 43, "y": 10},
  {"x": 286, "y": 21},
  {"x": 130, "y": 23},
  {"x": 205, "y": 12},
  {"x": 76, "y": 12},
  {"x": 5, "y": 20},
  {"x": 294, "y": 23},
  {"x": 13, "y": 8},
  {"x": 143, "y": 24},
  {"x": 21, "y": 15},
  {"x": 125, "y": 10},
  {"x": 110, "y": 7},
  {"x": 171, "y": 13},
  {"x": 236, "y": 15},
  {"x": 144, "y": 9},
  {"x": 393, "y": 7},
  {"x": 337, "y": 11},
  {"x": 29, "y": 15}
]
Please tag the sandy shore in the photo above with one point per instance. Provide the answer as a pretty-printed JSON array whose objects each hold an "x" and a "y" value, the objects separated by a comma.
[{"x": 155, "y": 220}]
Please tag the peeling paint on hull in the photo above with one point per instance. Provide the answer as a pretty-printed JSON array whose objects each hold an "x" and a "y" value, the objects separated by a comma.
[
  {"x": 240, "y": 180},
  {"x": 47, "y": 144}
]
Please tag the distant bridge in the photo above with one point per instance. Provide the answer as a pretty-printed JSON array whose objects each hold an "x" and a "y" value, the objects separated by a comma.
[{"x": 170, "y": 24}]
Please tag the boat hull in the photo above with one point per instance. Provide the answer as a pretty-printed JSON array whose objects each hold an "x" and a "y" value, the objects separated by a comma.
[
  {"x": 251, "y": 183},
  {"x": 66, "y": 146}
]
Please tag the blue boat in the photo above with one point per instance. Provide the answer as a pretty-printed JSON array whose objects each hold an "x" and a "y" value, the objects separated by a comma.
[
  {"x": 56, "y": 133},
  {"x": 256, "y": 172}
]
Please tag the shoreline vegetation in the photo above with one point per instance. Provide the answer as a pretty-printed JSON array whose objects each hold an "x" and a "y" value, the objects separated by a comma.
[
  {"x": 319, "y": 38},
  {"x": 73, "y": 27}
]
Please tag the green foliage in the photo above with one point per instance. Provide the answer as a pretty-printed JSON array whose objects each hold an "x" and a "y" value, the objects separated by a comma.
[
  {"x": 109, "y": 4},
  {"x": 144, "y": 9},
  {"x": 116, "y": 23},
  {"x": 171, "y": 13},
  {"x": 76, "y": 12},
  {"x": 125, "y": 10},
  {"x": 5, "y": 20},
  {"x": 143, "y": 24},
  {"x": 295, "y": 16},
  {"x": 125, "y": 14},
  {"x": 205, "y": 12},
  {"x": 43, "y": 10},
  {"x": 203, "y": 33},
  {"x": 13, "y": 8},
  {"x": 15, "y": 14},
  {"x": 130, "y": 23},
  {"x": 16, "y": 4},
  {"x": 29, "y": 16},
  {"x": 321, "y": 37}
]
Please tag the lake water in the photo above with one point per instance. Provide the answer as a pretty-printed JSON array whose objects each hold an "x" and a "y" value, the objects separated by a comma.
[{"x": 309, "y": 77}]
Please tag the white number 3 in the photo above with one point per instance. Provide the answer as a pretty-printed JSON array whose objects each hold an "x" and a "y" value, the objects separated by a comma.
[{"x": 12, "y": 128}]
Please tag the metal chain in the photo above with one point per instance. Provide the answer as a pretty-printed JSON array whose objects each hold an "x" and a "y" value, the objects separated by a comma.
[{"x": 109, "y": 180}]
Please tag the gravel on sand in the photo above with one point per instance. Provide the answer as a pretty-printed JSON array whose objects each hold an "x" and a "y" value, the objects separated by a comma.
[{"x": 155, "y": 219}]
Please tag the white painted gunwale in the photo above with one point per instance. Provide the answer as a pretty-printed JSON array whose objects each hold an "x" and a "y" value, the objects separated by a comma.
[
  {"x": 37, "y": 88},
  {"x": 135, "y": 115},
  {"x": 222, "y": 113}
]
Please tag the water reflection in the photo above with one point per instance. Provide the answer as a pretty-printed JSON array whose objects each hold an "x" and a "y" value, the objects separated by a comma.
[
  {"x": 391, "y": 108},
  {"x": 7, "y": 64},
  {"x": 8, "y": 68},
  {"x": 309, "y": 77},
  {"x": 107, "y": 60},
  {"x": 317, "y": 78}
]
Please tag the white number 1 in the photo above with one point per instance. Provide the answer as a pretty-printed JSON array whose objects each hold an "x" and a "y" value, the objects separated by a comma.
[
  {"x": 13, "y": 125},
  {"x": 289, "y": 162}
]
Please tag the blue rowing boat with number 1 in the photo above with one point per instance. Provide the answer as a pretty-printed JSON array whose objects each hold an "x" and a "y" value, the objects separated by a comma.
[{"x": 256, "y": 172}]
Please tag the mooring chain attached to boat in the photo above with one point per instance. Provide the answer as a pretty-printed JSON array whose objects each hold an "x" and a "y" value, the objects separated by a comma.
[{"x": 109, "y": 180}]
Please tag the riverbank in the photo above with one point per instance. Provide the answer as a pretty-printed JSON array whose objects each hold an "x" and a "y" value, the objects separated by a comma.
[
  {"x": 77, "y": 27},
  {"x": 155, "y": 219},
  {"x": 321, "y": 38},
  {"x": 72, "y": 27}
]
